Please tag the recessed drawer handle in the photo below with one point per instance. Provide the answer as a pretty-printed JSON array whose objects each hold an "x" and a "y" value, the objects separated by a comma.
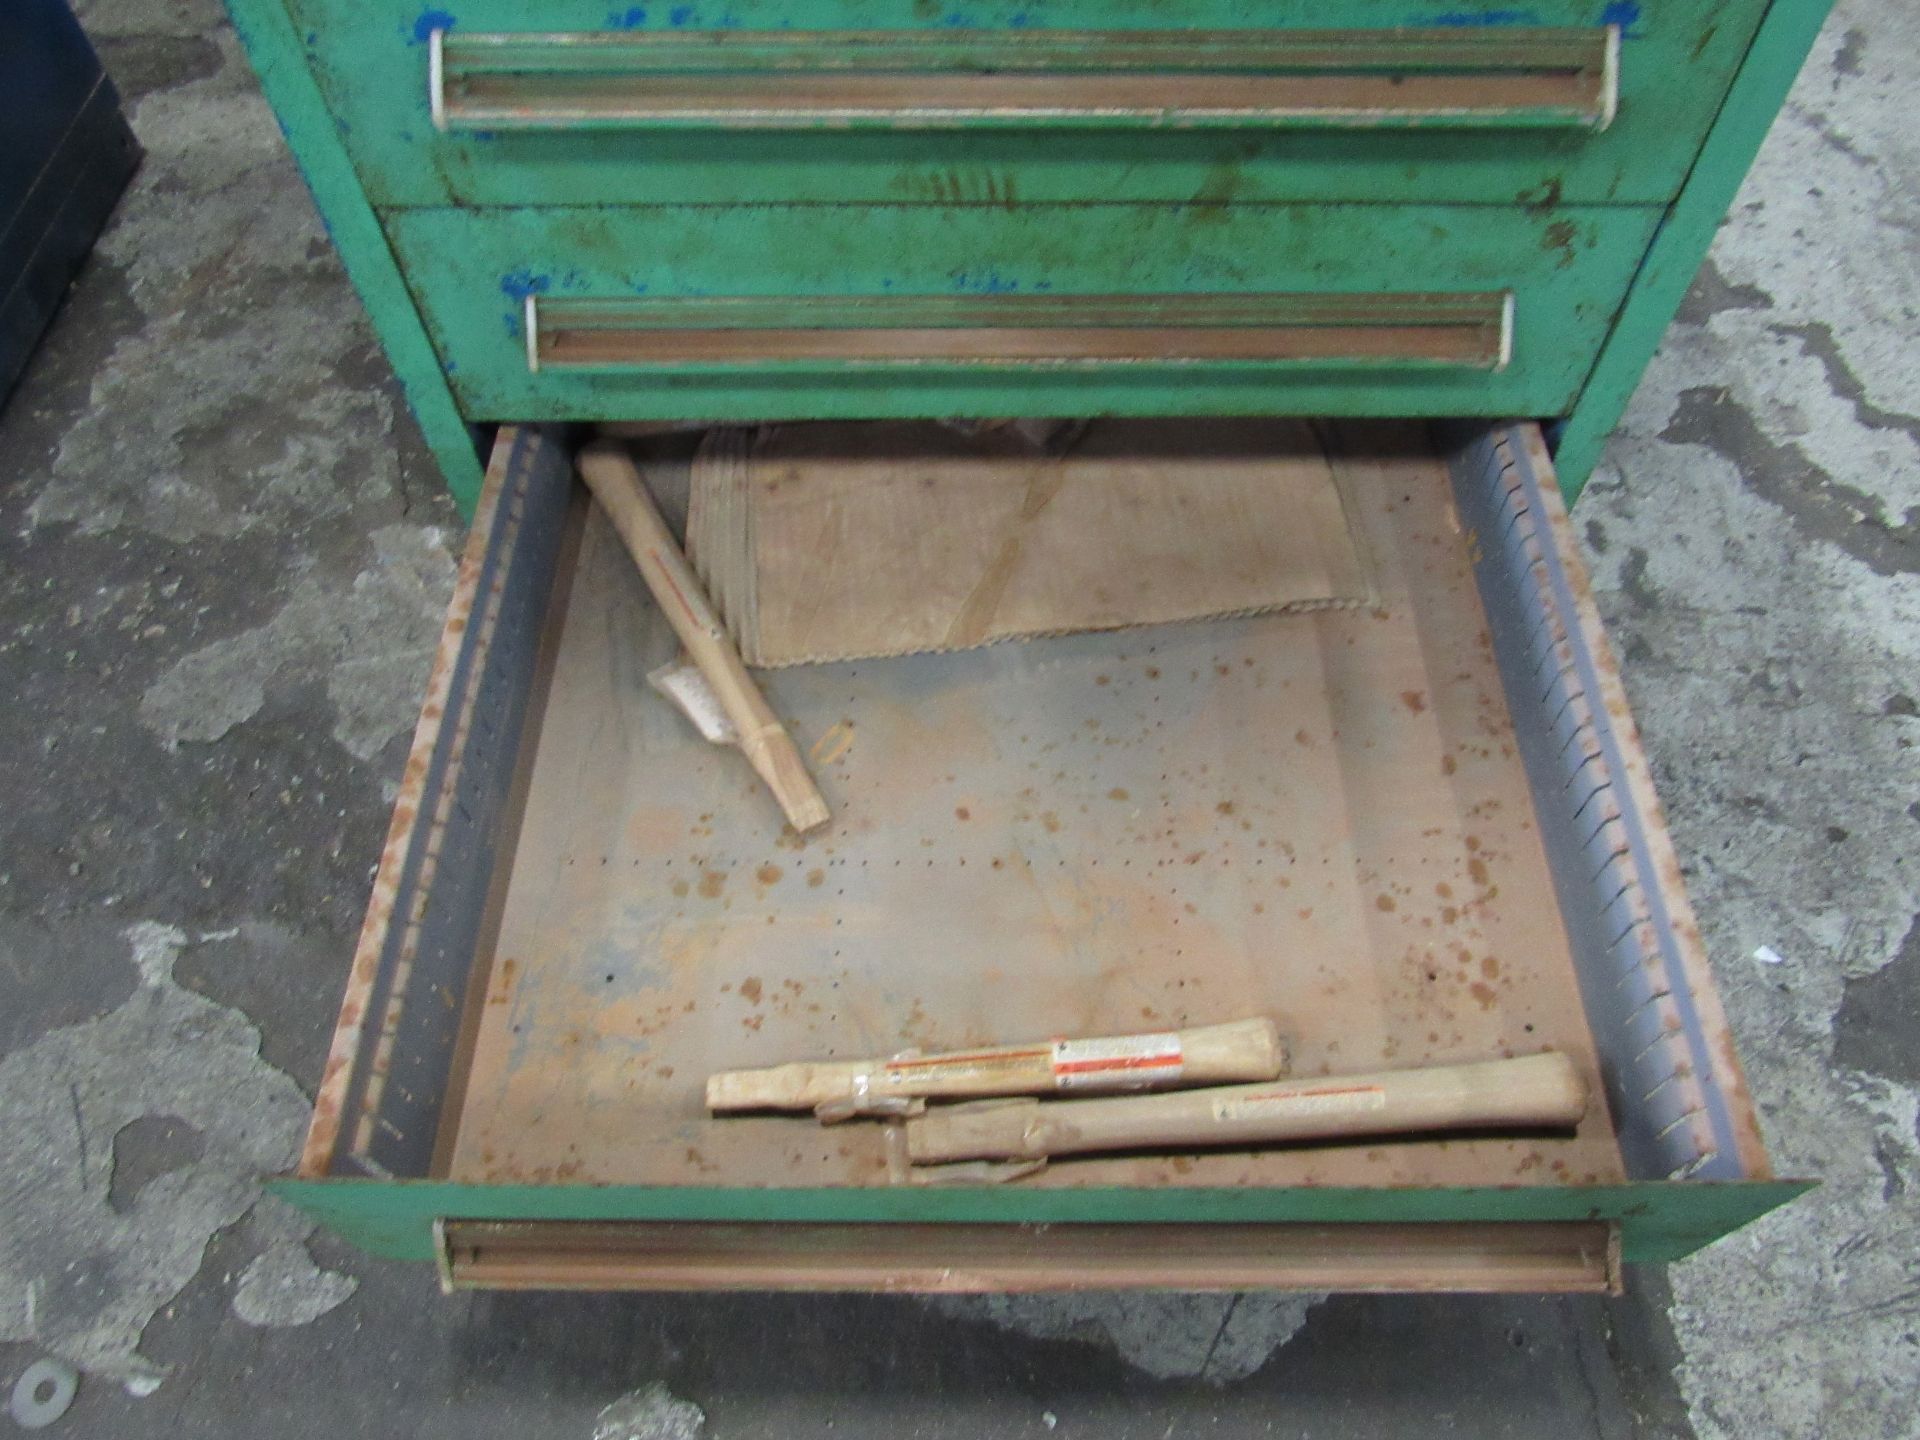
[
  {"x": 1452, "y": 332},
  {"x": 1498, "y": 77}
]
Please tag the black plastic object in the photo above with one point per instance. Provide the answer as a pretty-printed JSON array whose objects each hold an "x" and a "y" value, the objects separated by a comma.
[{"x": 65, "y": 155}]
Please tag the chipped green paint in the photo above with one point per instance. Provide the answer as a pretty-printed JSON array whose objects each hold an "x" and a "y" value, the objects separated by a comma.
[
  {"x": 1568, "y": 270},
  {"x": 282, "y": 66},
  {"x": 1688, "y": 230},
  {"x": 1659, "y": 1220},
  {"x": 372, "y": 63}
]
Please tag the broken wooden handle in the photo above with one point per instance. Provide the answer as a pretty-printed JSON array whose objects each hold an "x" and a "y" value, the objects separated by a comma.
[
  {"x": 617, "y": 484},
  {"x": 1237, "y": 1050},
  {"x": 1535, "y": 1091}
]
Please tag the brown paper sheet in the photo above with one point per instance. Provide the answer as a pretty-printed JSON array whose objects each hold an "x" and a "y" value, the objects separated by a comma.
[{"x": 843, "y": 542}]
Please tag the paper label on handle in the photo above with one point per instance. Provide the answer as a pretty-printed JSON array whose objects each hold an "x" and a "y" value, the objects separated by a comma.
[
  {"x": 1328, "y": 1101},
  {"x": 1014, "y": 1069},
  {"x": 1116, "y": 1062}
]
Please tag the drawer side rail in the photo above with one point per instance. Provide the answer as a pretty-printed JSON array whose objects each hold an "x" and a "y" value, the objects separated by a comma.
[{"x": 1679, "y": 1100}]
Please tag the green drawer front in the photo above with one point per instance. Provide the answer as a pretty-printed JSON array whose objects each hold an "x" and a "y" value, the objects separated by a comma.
[
  {"x": 849, "y": 311},
  {"x": 575, "y": 121}
]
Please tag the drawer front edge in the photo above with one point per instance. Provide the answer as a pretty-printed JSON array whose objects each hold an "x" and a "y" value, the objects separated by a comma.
[
  {"x": 373, "y": 60},
  {"x": 475, "y": 271},
  {"x": 1658, "y": 1221}
]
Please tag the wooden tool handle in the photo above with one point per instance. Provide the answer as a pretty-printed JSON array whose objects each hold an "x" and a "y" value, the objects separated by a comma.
[
  {"x": 1237, "y": 1050},
  {"x": 1537, "y": 1090},
  {"x": 616, "y": 483}
]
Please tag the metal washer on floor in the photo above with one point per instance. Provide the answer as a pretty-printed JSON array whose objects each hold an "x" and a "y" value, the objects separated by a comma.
[{"x": 30, "y": 1411}]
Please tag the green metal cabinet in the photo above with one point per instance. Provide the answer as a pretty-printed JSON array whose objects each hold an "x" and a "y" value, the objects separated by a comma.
[
  {"x": 1471, "y": 210},
  {"x": 1607, "y": 135}
]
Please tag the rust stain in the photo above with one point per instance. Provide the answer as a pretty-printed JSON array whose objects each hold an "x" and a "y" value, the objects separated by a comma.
[
  {"x": 1448, "y": 764},
  {"x": 768, "y": 874},
  {"x": 1414, "y": 700},
  {"x": 961, "y": 812},
  {"x": 1477, "y": 871},
  {"x": 680, "y": 889},
  {"x": 1225, "y": 807},
  {"x": 1384, "y": 902},
  {"x": 1051, "y": 821},
  {"x": 816, "y": 878},
  {"x": 1560, "y": 236},
  {"x": 750, "y": 989},
  {"x": 1118, "y": 793},
  {"x": 712, "y": 883}
]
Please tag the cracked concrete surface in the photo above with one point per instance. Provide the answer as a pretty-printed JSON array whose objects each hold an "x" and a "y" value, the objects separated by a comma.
[
  {"x": 1757, "y": 525},
  {"x": 223, "y": 552},
  {"x": 87, "y": 1256},
  {"x": 1215, "y": 1339}
]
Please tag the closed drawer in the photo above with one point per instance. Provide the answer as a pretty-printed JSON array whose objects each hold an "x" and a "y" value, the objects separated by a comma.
[
  {"x": 583, "y": 909},
  {"x": 848, "y": 311},
  {"x": 880, "y": 101}
]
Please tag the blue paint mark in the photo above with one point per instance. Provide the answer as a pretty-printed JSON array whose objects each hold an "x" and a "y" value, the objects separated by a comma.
[
  {"x": 313, "y": 39},
  {"x": 1623, "y": 13},
  {"x": 519, "y": 284},
  {"x": 1463, "y": 18},
  {"x": 679, "y": 15},
  {"x": 430, "y": 21},
  {"x": 631, "y": 18},
  {"x": 1019, "y": 20},
  {"x": 985, "y": 282},
  {"x": 958, "y": 20}
]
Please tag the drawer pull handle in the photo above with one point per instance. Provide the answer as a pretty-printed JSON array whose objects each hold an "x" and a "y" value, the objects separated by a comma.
[
  {"x": 1499, "y": 77},
  {"x": 1452, "y": 332}
]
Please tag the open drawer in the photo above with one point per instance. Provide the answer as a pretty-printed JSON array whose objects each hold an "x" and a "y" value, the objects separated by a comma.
[{"x": 1417, "y": 832}]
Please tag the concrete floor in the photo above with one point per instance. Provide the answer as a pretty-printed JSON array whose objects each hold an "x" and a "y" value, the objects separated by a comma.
[{"x": 223, "y": 555}]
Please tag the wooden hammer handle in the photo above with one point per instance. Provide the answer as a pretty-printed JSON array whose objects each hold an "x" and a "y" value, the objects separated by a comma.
[
  {"x": 1537, "y": 1090},
  {"x": 617, "y": 484},
  {"x": 1237, "y": 1050}
]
